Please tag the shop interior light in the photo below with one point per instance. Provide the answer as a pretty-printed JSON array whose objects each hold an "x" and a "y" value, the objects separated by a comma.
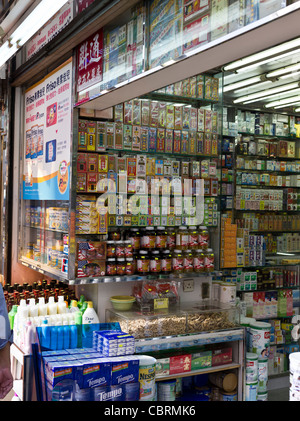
[
  {"x": 285, "y": 102},
  {"x": 297, "y": 110},
  {"x": 34, "y": 21},
  {"x": 283, "y": 70},
  {"x": 267, "y": 92},
  {"x": 242, "y": 83},
  {"x": 279, "y": 95},
  {"x": 263, "y": 54}
]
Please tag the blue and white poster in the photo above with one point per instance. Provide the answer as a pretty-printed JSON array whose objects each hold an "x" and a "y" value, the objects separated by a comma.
[{"x": 46, "y": 174}]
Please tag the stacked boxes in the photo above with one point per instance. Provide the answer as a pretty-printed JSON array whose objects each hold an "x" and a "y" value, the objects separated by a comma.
[
  {"x": 113, "y": 343},
  {"x": 87, "y": 372},
  {"x": 267, "y": 304},
  {"x": 229, "y": 243},
  {"x": 87, "y": 218},
  {"x": 260, "y": 199}
]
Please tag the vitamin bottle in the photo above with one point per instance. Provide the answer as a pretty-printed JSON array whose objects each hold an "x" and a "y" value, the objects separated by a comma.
[
  {"x": 193, "y": 238},
  {"x": 171, "y": 238},
  {"x": 111, "y": 266},
  {"x": 135, "y": 238},
  {"x": 166, "y": 262},
  {"x": 149, "y": 238},
  {"x": 177, "y": 261},
  {"x": 203, "y": 238},
  {"x": 209, "y": 260},
  {"x": 182, "y": 238},
  {"x": 111, "y": 248},
  {"x": 198, "y": 262},
  {"x": 121, "y": 266},
  {"x": 143, "y": 262},
  {"x": 155, "y": 262},
  {"x": 161, "y": 238},
  {"x": 188, "y": 261}
]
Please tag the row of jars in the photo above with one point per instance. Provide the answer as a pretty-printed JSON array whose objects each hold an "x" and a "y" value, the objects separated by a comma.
[
  {"x": 146, "y": 262},
  {"x": 149, "y": 238}
]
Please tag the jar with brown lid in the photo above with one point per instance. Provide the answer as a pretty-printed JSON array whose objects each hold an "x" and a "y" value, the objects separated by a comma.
[
  {"x": 161, "y": 238},
  {"x": 177, "y": 261},
  {"x": 182, "y": 238},
  {"x": 155, "y": 261},
  {"x": 111, "y": 267},
  {"x": 188, "y": 261},
  {"x": 143, "y": 262}
]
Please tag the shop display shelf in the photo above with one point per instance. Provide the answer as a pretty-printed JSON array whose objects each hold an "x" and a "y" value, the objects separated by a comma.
[
  {"x": 136, "y": 277},
  {"x": 171, "y": 155},
  {"x": 159, "y": 96},
  {"x": 46, "y": 229},
  {"x": 268, "y": 158},
  {"x": 43, "y": 269},
  {"x": 188, "y": 340},
  {"x": 208, "y": 370},
  {"x": 268, "y": 186},
  {"x": 267, "y": 171},
  {"x": 269, "y": 136}
]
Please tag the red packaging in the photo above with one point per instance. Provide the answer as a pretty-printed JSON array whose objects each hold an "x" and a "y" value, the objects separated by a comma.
[
  {"x": 221, "y": 356},
  {"x": 180, "y": 363}
]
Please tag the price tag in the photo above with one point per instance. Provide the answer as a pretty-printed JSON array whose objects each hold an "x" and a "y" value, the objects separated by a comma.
[{"x": 161, "y": 303}]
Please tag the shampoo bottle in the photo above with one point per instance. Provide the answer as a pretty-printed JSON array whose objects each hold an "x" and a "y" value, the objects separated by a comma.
[
  {"x": 53, "y": 343},
  {"x": 11, "y": 315},
  {"x": 60, "y": 336},
  {"x": 90, "y": 316},
  {"x": 73, "y": 335},
  {"x": 33, "y": 308},
  {"x": 46, "y": 335},
  {"x": 66, "y": 334},
  {"x": 29, "y": 337},
  {"x": 52, "y": 306},
  {"x": 61, "y": 306},
  {"x": 42, "y": 307}
]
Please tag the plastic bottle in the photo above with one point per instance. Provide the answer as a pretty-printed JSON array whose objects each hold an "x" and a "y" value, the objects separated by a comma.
[
  {"x": 33, "y": 308},
  {"x": 12, "y": 314},
  {"x": 52, "y": 306},
  {"x": 73, "y": 335},
  {"x": 61, "y": 306},
  {"x": 83, "y": 307},
  {"x": 42, "y": 309},
  {"x": 60, "y": 335},
  {"x": 54, "y": 337},
  {"x": 81, "y": 301},
  {"x": 29, "y": 337},
  {"x": 66, "y": 333},
  {"x": 19, "y": 324},
  {"x": 90, "y": 316},
  {"x": 46, "y": 335}
]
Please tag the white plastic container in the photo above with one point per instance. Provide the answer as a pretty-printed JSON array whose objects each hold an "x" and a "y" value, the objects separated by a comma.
[
  {"x": 251, "y": 391},
  {"x": 61, "y": 305},
  {"x": 147, "y": 377},
  {"x": 294, "y": 359},
  {"x": 90, "y": 316},
  {"x": 33, "y": 308},
  {"x": 260, "y": 338},
  {"x": 29, "y": 337},
  {"x": 51, "y": 307},
  {"x": 262, "y": 374},
  {"x": 251, "y": 367},
  {"x": 228, "y": 293},
  {"x": 42, "y": 307}
]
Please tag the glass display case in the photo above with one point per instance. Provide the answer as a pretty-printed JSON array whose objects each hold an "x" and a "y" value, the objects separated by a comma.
[{"x": 187, "y": 319}]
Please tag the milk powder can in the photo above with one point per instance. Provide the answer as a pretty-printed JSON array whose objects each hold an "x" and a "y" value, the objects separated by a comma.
[
  {"x": 251, "y": 366},
  {"x": 262, "y": 374},
  {"x": 251, "y": 391},
  {"x": 260, "y": 338}
]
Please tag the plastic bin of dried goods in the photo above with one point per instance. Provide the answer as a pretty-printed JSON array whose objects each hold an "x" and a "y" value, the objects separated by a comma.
[{"x": 189, "y": 319}]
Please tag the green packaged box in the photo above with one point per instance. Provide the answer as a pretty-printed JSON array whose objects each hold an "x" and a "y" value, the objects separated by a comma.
[{"x": 201, "y": 360}]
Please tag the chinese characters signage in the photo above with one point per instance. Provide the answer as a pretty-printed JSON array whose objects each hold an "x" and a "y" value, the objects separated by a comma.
[
  {"x": 90, "y": 61},
  {"x": 83, "y": 4},
  {"x": 59, "y": 21},
  {"x": 48, "y": 105}
]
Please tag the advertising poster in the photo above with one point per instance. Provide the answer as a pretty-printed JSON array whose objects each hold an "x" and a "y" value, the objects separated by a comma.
[{"x": 46, "y": 174}]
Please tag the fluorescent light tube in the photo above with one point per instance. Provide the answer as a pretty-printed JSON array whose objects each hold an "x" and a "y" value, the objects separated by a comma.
[
  {"x": 297, "y": 110},
  {"x": 263, "y": 54},
  {"x": 286, "y": 105},
  {"x": 286, "y": 101},
  {"x": 280, "y": 95},
  {"x": 241, "y": 83},
  {"x": 261, "y": 94},
  {"x": 283, "y": 70}
]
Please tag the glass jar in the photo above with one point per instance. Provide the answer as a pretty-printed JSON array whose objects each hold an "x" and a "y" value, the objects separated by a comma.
[
  {"x": 155, "y": 262},
  {"x": 149, "y": 238},
  {"x": 193, "y": 237},
  {"x": 166, "y": 262},
  {"x": 110, "y": 248},
  {"x": 115, "y": 235},
  {"x": 198, "y": 262},
  {"x": 121, "y": 266},
  {"x": 177, "y": 261},
  {"x": 135, "y": 238},
  {"x": 161, "y": 238},
  {"x": 182, "y": 238},
  {"x": 171, "y": 238},
  {"x": 143, "y": 262},
  {"x": 203, "y": 238},
  {"x": 129, "y": 266},
  {"x": 111, "y": 267},
  {"x": 128, "y": 249},
  {"x": 209, "y": 260},
  {"x": 188, "y": 261},
  {"x": 120, "y": 249}
]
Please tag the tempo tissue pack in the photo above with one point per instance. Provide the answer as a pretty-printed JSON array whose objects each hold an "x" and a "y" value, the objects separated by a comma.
[{"x": 112, "y": 343}]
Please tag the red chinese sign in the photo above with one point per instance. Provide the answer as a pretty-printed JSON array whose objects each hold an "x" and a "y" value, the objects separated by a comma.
[{"x": 90, "y": 61}]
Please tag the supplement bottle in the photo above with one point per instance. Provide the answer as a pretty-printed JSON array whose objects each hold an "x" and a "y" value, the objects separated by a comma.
[
  {"x": 188, "y": 261},
  {"x": 182, "y": 238},
  {"x": 193, "y": 237},
  {"x": 121, "y": 266},
  {"x": 143, "y": 262},
  {"x": 177, "y": 261},
  {"x": 209, "y": 260},
  {"x": 111, "y": 266},
  {"x": 129, "y": 266},
  {"x": 166, "y": 262},
  {"x": 203, "y": 238},
  {"x": 120, "y": 249},
  {"x": 149, "y": 238},
  {"x": 161, "y": 238},
  {"x": 128, "y": 249},
  {"x": 198, "y": 262},
  {"x": 155, "y": 262},
  {"x": 111, "y": 248},
  {"x": 171, "y": 238},
  {"x": 135, "y": 238}
]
